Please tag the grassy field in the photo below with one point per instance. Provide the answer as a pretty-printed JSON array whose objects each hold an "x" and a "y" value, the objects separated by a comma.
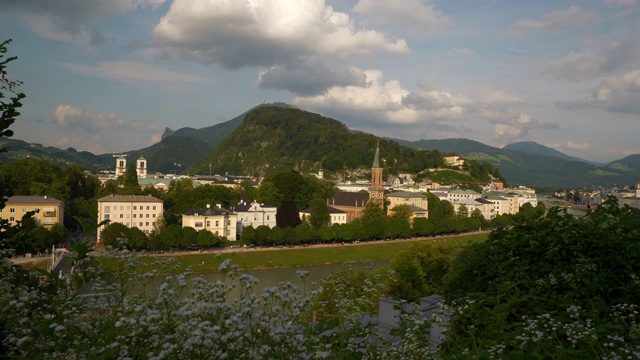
[{"x": 316, "y": 255}]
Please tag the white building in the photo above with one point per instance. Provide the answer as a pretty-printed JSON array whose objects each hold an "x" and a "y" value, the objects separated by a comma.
[
  {"x": 217, "y": 220},
  {"x": 141, "y": 167},
  {"x": 458, "y": 194},
  {"x": 337, "y": 216},
  {"x": 121, "y": 165},
  {"x": 254, "y": 214},
  {"x": 486, "y": 207},
  {"x": 139, "y": 211}
]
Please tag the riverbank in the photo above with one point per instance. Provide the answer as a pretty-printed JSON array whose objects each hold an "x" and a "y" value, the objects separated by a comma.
[{"x": 264, "y": 258}]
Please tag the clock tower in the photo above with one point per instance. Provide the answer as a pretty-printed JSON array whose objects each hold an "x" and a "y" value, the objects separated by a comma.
[{"x": 376, "y": 188}]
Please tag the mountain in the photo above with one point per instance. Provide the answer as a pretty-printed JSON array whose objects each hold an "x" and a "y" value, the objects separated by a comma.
[
  {"x": 538, "y": 166},
  {"x": 533, "y": 147},
  {"x": 273, "y": 139}
]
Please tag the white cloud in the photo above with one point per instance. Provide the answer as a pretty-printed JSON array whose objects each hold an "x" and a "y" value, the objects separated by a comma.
[
  {"x": 417, "y": 16},
  {"x": 510, "y": 125},
  {"x": 135, "y": 71},
  {"x": 559, "y": 21},
  {"x": 577, "y": 145},
  {"x": 385, "y": 102},
  {"x": 100, "y": 132},
  {"x": 264, "y": 32},
  {"x": 618, "y": 94}
]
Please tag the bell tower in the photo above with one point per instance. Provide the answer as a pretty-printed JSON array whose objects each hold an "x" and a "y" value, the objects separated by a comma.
[{"x": 376, "y": 188}]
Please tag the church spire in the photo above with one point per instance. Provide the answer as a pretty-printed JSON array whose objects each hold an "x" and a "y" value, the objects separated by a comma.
[{"x": 376, "y": 158}]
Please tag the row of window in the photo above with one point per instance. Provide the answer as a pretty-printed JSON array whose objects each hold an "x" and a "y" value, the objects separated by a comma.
[
  {"x": 123, "y": 216},
  {"x": 108, "y": 208},
  {"x": 198, "y": 224}
]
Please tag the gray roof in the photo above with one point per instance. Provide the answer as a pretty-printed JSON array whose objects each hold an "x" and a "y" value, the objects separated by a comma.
[
  {"x": 129, "y": 198},
  {"x": 349, "y": 198},
  {"x": 33, "y": 200},
  {"x": 405, "y": 194},
  {"x": 210, "y": 211},
  {"x": 245, "y": 206}
]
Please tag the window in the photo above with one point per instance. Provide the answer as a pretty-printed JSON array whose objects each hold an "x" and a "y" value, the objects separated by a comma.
[
  {"x": 147, "y": 215},
  {"x": 134, "y": 207},
  {"x": 12, "y": 218},
  {"x": 128, "y": 207},
  {"x": 147, "y": 207},
  {"x": 208, "y": 223},
  {"x": 140, "y": 223},
  {"x": 24, "y": 210},
  {"x": 141, "y": 216},
  {"x": 153, "y": 216},
  {"x": 217, "y": 224},
  {"x": 198, "y": 224},
  {"x": 121, "y": 207},
  {"x": 134, "y": 216},
  {"x": 255, "y": 217},
  {"x": 107, "y": 209},
  {"x": 147, "y": 223},
  {"x": 121, "y": 216},
  {"x": 228, "y": 222},
  {"x": 127, "y": 224},
  {"x": 12, "y": 210},
  {"x": 106, "y": 216},
  {"x": 154, "y": 207},
  {"x": 267, "y": 217},
  {"x": 127, "y": 216}
]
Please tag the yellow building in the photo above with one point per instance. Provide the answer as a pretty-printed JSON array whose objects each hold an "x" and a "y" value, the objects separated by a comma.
[
  {"x": 218, "y": 220},
  {"x": 418, "y": 203},
  {"x": 49, "y": 211}
]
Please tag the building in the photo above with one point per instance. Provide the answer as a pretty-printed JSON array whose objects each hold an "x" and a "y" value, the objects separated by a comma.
[
  {"x": 141, "y": 167},
  {"x": 454, "y": 159},
  {"x": 49, "y": 211},
  {"x": 121, "y": 165},
  {"x": 418, "y": 203},
  {"x": 254, "y": 214},
  {"x": 458, "y": 194},
  {"x": 352, "y": 203},
  {"x": 337, "y": 216},
  {"x": 376, "y": 188},
  {"x": 501, "y": 204},
  {"x": 139, "y": 211},
  {"x": 217, "y": 220}
]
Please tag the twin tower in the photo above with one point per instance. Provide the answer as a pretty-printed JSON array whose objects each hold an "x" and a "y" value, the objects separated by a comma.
[{"x": 121, "y": 165}]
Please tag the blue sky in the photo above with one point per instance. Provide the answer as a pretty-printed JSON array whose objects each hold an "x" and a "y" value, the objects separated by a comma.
[{"x": 109, "y": 76}]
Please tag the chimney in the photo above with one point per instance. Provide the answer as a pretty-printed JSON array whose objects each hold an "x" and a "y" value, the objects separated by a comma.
[
  {"x": 208, "y": 206},
  {"x": 45, "y": 197},
  {"x": 219, "y": 206}
]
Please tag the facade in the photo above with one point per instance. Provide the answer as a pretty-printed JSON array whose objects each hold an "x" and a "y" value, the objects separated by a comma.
[
  {"x": 458, "y": 194},
  {"x": 352, "y": 203},
  {"x": 254, "y": 214},
  {"x": 121, "y": 165},
  {"x": 336, "y": 216},
  {"x": 217, "y": 220},
  {"x": 471, "y": 205},
  {"x": 418, "y": 203},
  {"x": 454, "y": 159},
  {"x": 141, "y": 167},
  {"x": 501, "y": 204},
  {"x": 49, "y": 211},
  {"x": 139, "y": 211}
]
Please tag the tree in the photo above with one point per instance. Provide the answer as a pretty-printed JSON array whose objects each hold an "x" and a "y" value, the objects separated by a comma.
[
  {"x": 374, "y": 220},
  {"x": 463, "y": 211},
  {"x": 138, "y": 239},
  {"x": 171, "y": 236},
  {"x": 557, "y": 269},
  {"x": 130, "y": 180},
  {"x": 115, "y": 235},
  {"x": 90, "y": 225},
  {"x": 287, "y": 215},
  {"x": 249, "y": 236},
  {"x": 9, "y": 106},
  {"x": 319, "y": 213},
  {"x": 206, "y": 239},
  {"x": 189, "y": 237},
  {"x": 420, "y": 270}
]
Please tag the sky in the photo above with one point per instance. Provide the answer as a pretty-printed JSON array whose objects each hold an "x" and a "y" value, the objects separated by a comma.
[{"x": 109, "y": 76}]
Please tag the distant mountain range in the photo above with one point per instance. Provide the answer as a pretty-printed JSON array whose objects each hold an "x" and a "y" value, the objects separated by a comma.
[{"x": 286, "y": 137}]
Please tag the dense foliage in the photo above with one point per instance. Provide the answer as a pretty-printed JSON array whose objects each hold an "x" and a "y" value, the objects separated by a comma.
[
  {"x": 273, "y": 139},
  {"x": 552, "y": 285}
]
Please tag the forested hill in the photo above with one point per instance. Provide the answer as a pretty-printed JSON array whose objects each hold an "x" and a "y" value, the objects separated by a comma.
[{"x": 274, "y": 139}]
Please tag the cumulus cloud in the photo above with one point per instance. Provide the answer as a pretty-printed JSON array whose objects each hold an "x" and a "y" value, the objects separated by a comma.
[
  {"x": 417, "y": 16},
  {"x": 310, "y": 76},
  {"x": 511, "y": 125},
  {"x": 385, "y": 102},
  {"x": 595, "y": 63},
  {"x": 66, "y": 20},
  {"x": 619, "y": 94},
  {"x": 559, "y": 21},
  {"x": 135, "y": 71},
  {"x": 101, "y": 132},
  {"x": 235, "y": 34}
]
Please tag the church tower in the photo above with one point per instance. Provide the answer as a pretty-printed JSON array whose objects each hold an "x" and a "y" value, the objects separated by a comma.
[
  {"x": 376, "y": 189},
  {"x": 121, "y": 164},
  {"x": 141, "y": 167}
]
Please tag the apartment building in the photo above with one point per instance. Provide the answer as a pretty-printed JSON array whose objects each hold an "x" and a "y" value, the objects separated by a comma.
[
  {"x": 48, "y": 210},
  {"x": 139, "y": 211}
]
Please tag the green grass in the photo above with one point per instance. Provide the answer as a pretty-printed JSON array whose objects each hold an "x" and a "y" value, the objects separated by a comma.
[{"x": 292, "y": 257}]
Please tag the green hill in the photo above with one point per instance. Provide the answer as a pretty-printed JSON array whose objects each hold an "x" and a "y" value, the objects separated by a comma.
[{"x": 274, "y": 139}]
